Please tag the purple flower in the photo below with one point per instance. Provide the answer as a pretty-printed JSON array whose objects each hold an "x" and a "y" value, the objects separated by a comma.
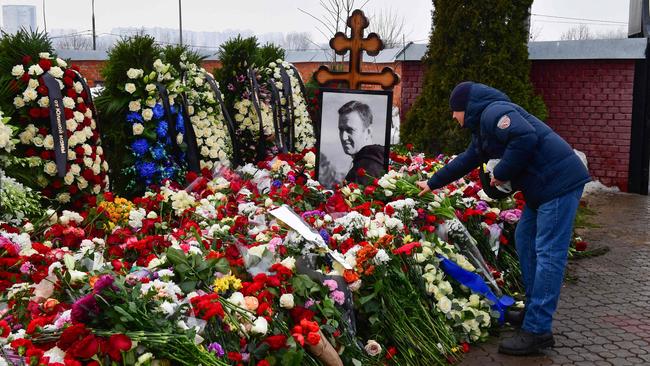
[
  {"x": 84, "y": 308},
  {"x": 510, "y": 216},
  {"x": 482, "y": 206},
  {"x": 338, "y": 297},
  {"x": 331, "y": 284},
  {"x": 325, "y": 235},
  {"x": 216, "y": 348},
  {"x": 309, "y": 303},
  {"x": 103, "y": 282},
  {"x": 231, "y": 87}
]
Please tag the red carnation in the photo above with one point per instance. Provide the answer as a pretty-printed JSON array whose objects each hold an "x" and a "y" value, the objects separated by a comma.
[
  {"x": 4, "y": 326},
  {"x": 234, "y": 356},
  {"x": 116, "y": 344},
  {"x": 263, "y": 363},
  {"x": 407, "y": 248},
  {"x": 86, "y": 348}
]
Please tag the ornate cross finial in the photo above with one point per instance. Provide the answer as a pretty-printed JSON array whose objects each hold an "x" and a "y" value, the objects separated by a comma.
[{"x": 357, "y": 22}]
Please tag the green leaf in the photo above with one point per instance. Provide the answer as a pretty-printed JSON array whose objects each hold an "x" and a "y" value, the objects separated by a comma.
[
  {"x": 222, "y": 266},
  {"x": 176, "y": 256},
  {"x": 292, "y": 358},
  {"x": 124, "y": 314},
  {"x": 365, "y": 299},
  {"x": 187, "y": 286}
]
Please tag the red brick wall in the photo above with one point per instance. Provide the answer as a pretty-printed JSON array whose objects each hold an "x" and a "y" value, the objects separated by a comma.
[
  {"x": 411, "y": 86},
  {"x": 590, "y": 105},
  {"x": 91, "y": 70}
]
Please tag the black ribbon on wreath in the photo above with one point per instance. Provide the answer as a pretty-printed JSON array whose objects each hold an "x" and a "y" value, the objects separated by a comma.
[
  {"x": 290, "y": 120},
  {"x": 255, "y": 99},
  {"x": 162, "y": 92},
  {"x": 236, "y": 160},
  {"x": 58, "y": 127},
  {"x": 189, "y": 137},
  {"x": 278, "y": 116}
]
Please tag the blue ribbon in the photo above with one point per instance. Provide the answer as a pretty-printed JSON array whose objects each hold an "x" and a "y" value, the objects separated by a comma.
[{"x": 475, "y": 283}]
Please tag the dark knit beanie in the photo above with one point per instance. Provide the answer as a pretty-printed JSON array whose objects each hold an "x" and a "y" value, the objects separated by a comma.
[{"x": 459, "y": 96}]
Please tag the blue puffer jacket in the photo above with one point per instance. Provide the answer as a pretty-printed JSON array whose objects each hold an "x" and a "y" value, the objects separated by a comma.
[{"x": 535, "y": 159}]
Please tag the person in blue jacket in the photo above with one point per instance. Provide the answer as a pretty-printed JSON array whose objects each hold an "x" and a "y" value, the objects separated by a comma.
[{"x": 540, "y": 164}]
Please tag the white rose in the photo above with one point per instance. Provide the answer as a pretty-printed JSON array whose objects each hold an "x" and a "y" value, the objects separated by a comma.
[
  {"x": 260, "y": 326},
  {"x": 78, "y": 116},
  {"x": 138, "y": 128},
  {"x": 150, "y": 88},
  {"x": 134, "y": 73},
  {"x": 310, "y": 158},
  {"x": 48, "y": 142},
  {"x": 129, "y": 88},
  {"x": 63, "y": 197},
  {"x": 286, "y": 301},
  {"x": 56, "y": 72},
  {"x": 71, "y": 125},
  {"x": 33, "y": 84},
  {"x": 45, "y": 55},
  {"x": 147, "y": 114},
  {"x": 179, "y": 139},
  {"x": 44, "y": 102},
  {"x": 87, "y": 149},
  {"x": 372, "y": 348},
  {"x": 19, "y": 102},
  {"x": 68, "y": 102},
  {"x": 75, "y": 169},
  {"x": 18, "y": 71},
  {"x": 61, "y": 62},
  {"x": 150, "y": 102},
  {"x": 35, "y": 70},
  {"x": 82, "y": 183},
  {"x": 444, "y": 304},
  {"x": 289, "y": 262},
  {"x": 78, "y": 87},
  {"x": 134, "y": 106},
  {"x": 30, "y": 94},
  {"x": 68, "y": 179}
]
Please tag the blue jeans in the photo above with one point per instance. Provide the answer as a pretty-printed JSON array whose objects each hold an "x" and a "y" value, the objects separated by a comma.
[{"x": 542, "y": 239}]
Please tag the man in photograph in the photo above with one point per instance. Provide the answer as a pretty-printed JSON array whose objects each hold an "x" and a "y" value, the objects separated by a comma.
[{"x": 355, "y": 132}]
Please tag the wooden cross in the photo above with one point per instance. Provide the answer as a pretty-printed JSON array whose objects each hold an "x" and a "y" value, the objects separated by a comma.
[{"x": 357, "y": 22}]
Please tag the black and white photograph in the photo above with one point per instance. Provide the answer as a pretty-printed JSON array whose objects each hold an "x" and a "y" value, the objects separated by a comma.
[{"x": 354, "y": 140}]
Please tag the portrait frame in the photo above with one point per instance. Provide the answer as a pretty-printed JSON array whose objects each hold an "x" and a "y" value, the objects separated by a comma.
[{"x": 332, "y": 161}]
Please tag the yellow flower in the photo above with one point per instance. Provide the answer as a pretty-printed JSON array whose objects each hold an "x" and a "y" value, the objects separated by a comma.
[{"x": 222, "y": 284}]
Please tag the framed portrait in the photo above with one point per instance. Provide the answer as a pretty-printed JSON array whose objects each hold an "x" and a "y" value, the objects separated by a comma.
[{"x": 354, "y": 135}]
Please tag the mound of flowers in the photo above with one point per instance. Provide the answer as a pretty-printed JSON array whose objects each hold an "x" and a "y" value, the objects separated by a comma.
[{"x": 213, "y": 274}]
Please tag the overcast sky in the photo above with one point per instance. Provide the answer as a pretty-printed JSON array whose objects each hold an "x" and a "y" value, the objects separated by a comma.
[{"x": 262, "y": 16}]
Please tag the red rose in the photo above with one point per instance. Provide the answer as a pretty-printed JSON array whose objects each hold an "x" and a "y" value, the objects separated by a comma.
[
  {"x": 407, "y": 248},
  {"x": 581, "y": 245},
  {"x": 391, "y": 352},
  {"x": 69, "y": 74},
  {"x": 34, "y": 113},
  {"x": 361, "y": 172},
  {"x": 45, "y": 64},
  {"x": 263, "y": 363},
  {"x": 68, "y": 81},
  {"x": 42, "y": 90},
  {"x": 300, "y": 339},
  {"x": 313, "y": 338},
  {"x": 71, "y": 93},
  {"x": 45, "y": 113},
  {"x": 465, "y": 347},
  {"x": 276, "y": 342}
]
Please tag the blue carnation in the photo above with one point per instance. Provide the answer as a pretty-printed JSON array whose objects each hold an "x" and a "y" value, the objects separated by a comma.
[
  {"x": 140, "y": 147},
  {"x": 158, "y": 111},
  {"x": 134, "y": 117},
  {"x": 159, "y": 153},
  {"x": 146, "y": 169},
  {"x": 162, "y": 129}
]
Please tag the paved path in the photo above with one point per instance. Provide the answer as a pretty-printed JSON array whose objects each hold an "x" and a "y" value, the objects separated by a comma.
[{"x": 604, "y": 312}]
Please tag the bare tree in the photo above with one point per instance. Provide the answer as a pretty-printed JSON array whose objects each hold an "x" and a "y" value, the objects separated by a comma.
[
  {"x": 618, "y": 33},
  {"x": 535, "y": 32},
  {"x": 579, "y": 32},
  {"x": 297, "y": 41},
  {"x": 334, "y": 17},
  {"x": 74, "y": 42},
  {"x": 389, "y": 26}
]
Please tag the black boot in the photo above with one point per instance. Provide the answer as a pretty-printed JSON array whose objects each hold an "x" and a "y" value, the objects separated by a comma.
[
  {"x": 514, "y": 317},
  {"x": 525, "y": 343}
]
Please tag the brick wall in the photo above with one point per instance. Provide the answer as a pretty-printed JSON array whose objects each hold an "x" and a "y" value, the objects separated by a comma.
[
  {"x": 411, "y": 86},
  {"x": 91, "y": 69},
  {"x": 590, "y": 105}
]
